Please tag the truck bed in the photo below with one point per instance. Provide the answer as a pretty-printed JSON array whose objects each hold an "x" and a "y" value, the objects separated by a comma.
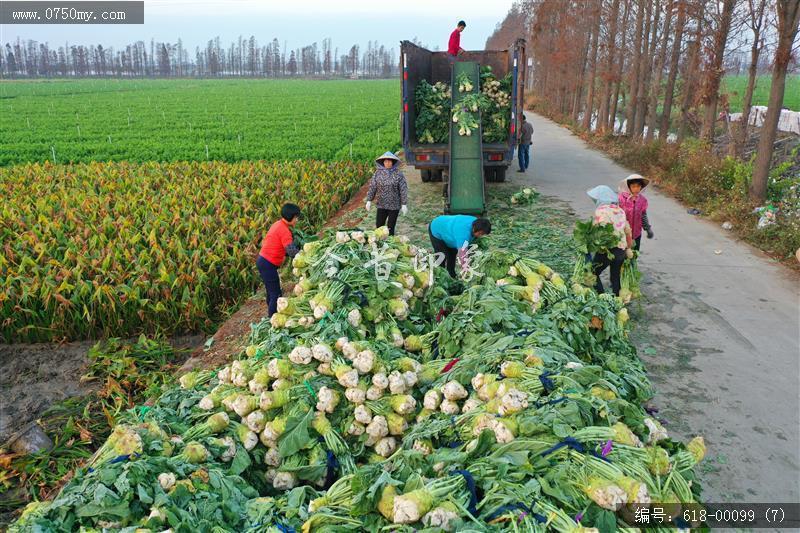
[{"x": 419, "y": 64}]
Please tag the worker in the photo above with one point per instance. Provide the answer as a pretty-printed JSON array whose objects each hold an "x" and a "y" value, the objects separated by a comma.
[
  {"x": 389, "y": 188},
  {"x": 524, "y": 146},
  {"x": 609, "y": 212},
  {"x": 451, "y": 235},
  {"x": 454, "y": 44},
  {"x": 277, "y": 244}
]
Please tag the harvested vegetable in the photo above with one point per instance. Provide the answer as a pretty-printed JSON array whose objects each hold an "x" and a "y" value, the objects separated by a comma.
[{"x": 505, "y": 401}]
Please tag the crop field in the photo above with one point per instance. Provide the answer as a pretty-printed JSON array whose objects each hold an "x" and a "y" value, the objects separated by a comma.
[
  {"x": 735, "y": 87},
  {"x": 196, "y": 120},
  {"x": 97, "y": 249}
]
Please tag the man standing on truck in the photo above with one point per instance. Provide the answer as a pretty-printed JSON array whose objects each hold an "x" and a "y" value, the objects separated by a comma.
[
  {"x": 524, "y": 146},
  {"x": 454, "y": 45}
]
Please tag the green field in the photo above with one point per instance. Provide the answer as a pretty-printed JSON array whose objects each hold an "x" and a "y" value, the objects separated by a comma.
[
  {"x": 187, "y": 120},
  {"x": 735, "y": 87}
]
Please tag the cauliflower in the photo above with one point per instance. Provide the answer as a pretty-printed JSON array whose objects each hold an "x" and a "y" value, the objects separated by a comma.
[
  {"x": 453, "y": 390},
  {"x": 347, "y": 377},
  {"x": 656, "y": 430},
  {"x": 325, "y": 369},
  {"x": 354, "y": 318},
  {"x": 403, "y": 404},
  {"x": 364, "y": 361},
  {"x": 327, "y": 400},
  {"x": 410, "y": 378},
  {"x": 380, "y": 380},
  {"x": 449, "y": 407},
  {"x": 355, "y": 395},
  {"x": 362, "y": 414},
  {"x": 166, "y": 480},
  {"x": 444, "y": 517},
  {"x": 432, "y": 399},
  {"x": 573, "y": 365},
  {"x": 606, "y": 494},
  {"x": 478, "y": 381},
  {"x": 386, "y": 446},
  {"x": 300, "y": 355},
  {"x": 374, "y": 393},
  {"x": 284, "y": 481},
  {"x": 356, "y": 429},
  {"x": 272, "y": 457},
  {"x": 397, "y": 385},
  {"x": 349, "y": 350},
  {"x": 255, "y": 421},
  {"x": 342, "y": 237},
  {"x": 378, "y": 428},
  {"x": 322, "y": 353},
  {"x": 512, "y": 402},
  {"x": 470, "y": 404}
]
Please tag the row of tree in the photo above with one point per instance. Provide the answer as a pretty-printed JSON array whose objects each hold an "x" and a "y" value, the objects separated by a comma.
[
  {"x": 243, "y": 58},
  {"x": 654, "y": 67}
]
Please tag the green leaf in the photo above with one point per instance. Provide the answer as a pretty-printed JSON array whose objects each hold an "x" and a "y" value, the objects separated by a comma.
[
  {"x": 240, "y": 461},
  {"x": 296, "y": 436},
  {"x": 144, "y": 497}
]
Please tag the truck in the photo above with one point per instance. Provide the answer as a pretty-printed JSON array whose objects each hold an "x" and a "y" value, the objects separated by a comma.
[{"x": 433, "y": 160}]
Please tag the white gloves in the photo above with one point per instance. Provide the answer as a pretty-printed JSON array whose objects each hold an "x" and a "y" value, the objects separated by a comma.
[
  {"x": 404, "y": 210},
  {"x": 369, "y": 205}
]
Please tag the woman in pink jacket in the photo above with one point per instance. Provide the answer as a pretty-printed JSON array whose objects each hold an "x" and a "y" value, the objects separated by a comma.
[{"x": 634, "y": 203}]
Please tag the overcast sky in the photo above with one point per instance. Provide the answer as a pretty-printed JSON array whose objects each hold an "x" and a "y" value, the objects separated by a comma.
[{"x": 299, "y": 23}]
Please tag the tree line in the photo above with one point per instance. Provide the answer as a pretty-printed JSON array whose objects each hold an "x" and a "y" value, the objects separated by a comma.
[
  {"x": 651, "y": 68},
  {"x": 241, "y": 58}
]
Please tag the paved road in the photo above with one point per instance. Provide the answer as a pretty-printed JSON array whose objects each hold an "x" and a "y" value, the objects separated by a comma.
[{"x": 719, "y": 332}]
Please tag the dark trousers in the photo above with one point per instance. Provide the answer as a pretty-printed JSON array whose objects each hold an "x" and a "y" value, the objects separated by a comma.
[
  {"x": 524, "y": 155},
  {"x": 387, "y": 217},
  {"x": 615, "y": 258},
  {"x": 637, "y": 242},
  {"x": 272, "y": 283},
  {"x": 439, "y": 246}
]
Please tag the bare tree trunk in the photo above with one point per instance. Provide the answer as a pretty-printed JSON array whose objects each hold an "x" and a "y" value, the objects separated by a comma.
[
  {"x": 739, "y": 139},
  {"x": 581, "y": 71},
  {"x": 587, "y": 114},
  {"x": 645, "y": 67},
  {"x": 633, "y": 84},
  {"x": 662, "y": 59},
  {"x": 611, "y": 41},
  {"x": 788, "y": 22},
  {"x": 612, "y": 119},
  {"x": 669, "y": 91},
  {"x": 711, "y": 90},
  {"x": 691, "y": 73}
]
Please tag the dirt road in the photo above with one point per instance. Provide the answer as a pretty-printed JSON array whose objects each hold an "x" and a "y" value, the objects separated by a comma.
[{"x": 718, "y": 331}]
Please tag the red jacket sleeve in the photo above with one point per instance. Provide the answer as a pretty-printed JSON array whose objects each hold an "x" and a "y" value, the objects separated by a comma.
[{"x": 455, "y": 43}]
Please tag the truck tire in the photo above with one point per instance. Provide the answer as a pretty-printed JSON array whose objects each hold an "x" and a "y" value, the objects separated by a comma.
[
  {"x": 425, "y": 174},
  {"x": 436, "y": 175},
  {"x": 489, "y": 174},
  {"x": 500, "y": 174}
]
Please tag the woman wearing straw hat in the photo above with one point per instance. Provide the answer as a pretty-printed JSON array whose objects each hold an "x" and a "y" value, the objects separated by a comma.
[
  {"x": 609, "y": 212},
  {"x": 634, "y": 203},
  {"x": 389, "y": 189}
]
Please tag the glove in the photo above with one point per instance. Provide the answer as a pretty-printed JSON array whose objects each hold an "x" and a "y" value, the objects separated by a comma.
[
  {"x": 369, "y": 205},
  {"x": 650, "y": 234},
  {"x": 629, "y": 253},
  {"x": 404, "y": 210}
]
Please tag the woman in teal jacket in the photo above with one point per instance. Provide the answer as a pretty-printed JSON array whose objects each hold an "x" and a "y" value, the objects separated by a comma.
[{"x": 451, "y": 235}]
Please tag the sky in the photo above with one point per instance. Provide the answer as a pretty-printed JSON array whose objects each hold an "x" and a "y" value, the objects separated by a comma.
[{"x": 299, "y": 23}]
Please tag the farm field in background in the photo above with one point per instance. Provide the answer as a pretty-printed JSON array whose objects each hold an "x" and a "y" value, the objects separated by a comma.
[
  {"x": 735, "y": 87},
  {"x": 102, "y": 249},
  {"x": 196, "y": 120}
]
